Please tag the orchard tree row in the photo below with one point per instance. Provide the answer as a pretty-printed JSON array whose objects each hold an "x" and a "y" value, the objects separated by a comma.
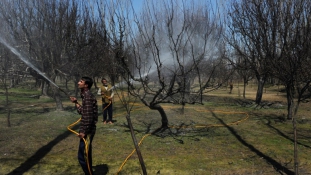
[{"x": 165, "y": 51}]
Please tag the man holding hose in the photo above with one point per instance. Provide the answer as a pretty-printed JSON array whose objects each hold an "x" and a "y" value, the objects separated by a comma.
[
  {"x": 106, "y": 91},
  {"x": 89, "y": 117}
]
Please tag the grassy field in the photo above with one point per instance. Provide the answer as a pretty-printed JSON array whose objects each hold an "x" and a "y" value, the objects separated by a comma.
[{"x": 226, "y": 136}]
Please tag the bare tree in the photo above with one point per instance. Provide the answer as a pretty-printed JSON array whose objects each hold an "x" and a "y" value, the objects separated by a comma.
[
  {"x": 244, "y": 71},
  {"x": 58, "y": 37},
  {"x": 10, "y": 68},
  {"x": 276, "y": 36},
  {"x": 164, "y": 50},
  {"x": 5, "y": 64},
  {"x": 112, "y": 15},
  {"x": 250, "y": 31},
  {"x": 292, "y": 55},
  {"x": 292, "y": 63}
]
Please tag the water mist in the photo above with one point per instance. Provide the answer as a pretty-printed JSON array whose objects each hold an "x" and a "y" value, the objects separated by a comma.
[{"x": 28, "y": 63}]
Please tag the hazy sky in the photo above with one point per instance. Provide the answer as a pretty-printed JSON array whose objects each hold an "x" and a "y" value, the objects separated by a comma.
[{"x": 138, "y": 4}]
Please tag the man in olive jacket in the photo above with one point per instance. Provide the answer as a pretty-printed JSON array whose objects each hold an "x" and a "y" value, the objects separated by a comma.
[{"x": 106, "y": 92}]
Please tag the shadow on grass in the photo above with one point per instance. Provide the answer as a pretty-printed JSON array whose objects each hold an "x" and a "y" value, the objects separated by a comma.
[
  {"x": 281, "y": 133},
  {"x": 34, "y": 159},
  {"x": 277, "y": 166},
  {"x": 101, "y": 169}
]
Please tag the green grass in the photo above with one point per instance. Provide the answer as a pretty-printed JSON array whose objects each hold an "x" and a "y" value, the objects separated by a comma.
[{"x": 201, "y": 141}]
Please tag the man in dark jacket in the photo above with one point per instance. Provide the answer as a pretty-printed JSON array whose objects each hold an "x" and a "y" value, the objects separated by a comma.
[{"x": 89, "y": 118}]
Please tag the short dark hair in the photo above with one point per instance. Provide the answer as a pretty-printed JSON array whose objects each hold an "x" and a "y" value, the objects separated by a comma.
[
  {"x": 88, "y": 81},
  {"x": 104, "y": 79}
]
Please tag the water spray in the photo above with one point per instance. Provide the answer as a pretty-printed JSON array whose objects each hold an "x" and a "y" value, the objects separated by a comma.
[
  {"x": 64, "y": 92},
  {"x": 28, "y": 63}
]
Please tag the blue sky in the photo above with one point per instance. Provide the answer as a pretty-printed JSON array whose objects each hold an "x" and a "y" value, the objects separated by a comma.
[{"x": 138, "y": 4}]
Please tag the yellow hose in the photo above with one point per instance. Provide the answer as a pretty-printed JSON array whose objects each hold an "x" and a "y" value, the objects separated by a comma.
[
  {"x": 107, "y": 106},
  {"x": 198, "y": 126},
  {"x": 85, "y": 143},
  {"x": 131, "y": 154}
]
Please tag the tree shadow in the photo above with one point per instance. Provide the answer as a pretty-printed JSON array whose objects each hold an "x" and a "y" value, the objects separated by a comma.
[
  {"x": 165, "y": 132},
  {"x": 41, "y": 153},
  {"x": 180, "y": 131},
  {"x": 101, "y": 169},
  {"x": 277, "y": 166},
  {"x": 281, "y": 133},
  {"x": 145, "y": 125}
]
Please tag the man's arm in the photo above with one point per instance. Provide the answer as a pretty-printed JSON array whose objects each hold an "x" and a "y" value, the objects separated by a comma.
[{"x": 75, "y": 101}]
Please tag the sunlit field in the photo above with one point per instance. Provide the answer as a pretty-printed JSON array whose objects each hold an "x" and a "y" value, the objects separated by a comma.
[{"x": 225, "y": 136}]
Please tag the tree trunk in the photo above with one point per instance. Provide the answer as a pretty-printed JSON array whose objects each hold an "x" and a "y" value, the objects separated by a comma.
[
  {"x": 12, "y": 82},
  {"x": 9, "y": 117},
  {"x": 182, "y": 112},
  {"x": 244, "y": 88},
  {"x": 291, "y": 112},
  {"x": 7, "y": 104},
  {"x": 187, "y": 89},
  {"x": 295, "y": 146},
  {"x": 44, "y": 88},
  {"x": 164, "y": 119},
  {"x": 56, "y": 95},
  {"x": 66, "y": 84},
  {"x": 77, "y": 91},
  {"x": 290, "y": 101},
  {"x": 140, "y": 157},
  {"x": 260, "y": 87},
  {"x": 58, "y": 101}
]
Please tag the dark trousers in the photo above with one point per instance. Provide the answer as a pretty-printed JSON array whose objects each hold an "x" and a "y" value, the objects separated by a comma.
[
  {"x": 108, "y": 111},
  {"x": 85, "y": 156}
]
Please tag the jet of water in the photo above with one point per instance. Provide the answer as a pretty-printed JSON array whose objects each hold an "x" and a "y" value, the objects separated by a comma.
[{"x": 13, "y": 50}]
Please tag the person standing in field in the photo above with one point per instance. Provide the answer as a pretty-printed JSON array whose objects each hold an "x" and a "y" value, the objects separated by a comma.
[
  {"x": 231, "y": 87},
  {"x": 106, "y": 92},
  {"x": 89, "y": 117}
]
